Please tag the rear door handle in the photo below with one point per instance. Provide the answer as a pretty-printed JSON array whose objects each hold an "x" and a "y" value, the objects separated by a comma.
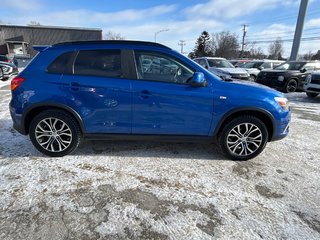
[{"x": 145, "y": 94}]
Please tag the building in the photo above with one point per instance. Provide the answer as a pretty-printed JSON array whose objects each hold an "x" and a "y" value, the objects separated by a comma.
[{"x": 18, "y": 40}]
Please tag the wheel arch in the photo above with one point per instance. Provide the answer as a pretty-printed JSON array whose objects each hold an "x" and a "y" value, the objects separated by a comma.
[
  {"x": 265, "y": 116},
  {"x": 38, "y": 108}
]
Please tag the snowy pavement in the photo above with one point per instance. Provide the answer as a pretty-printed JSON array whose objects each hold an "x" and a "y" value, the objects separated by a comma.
[{"x": 142, "y": 190}]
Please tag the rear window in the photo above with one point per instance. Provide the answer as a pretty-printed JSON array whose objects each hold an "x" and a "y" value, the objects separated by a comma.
[
  {"x": 102, "y": 63},
  {"x": 61, "y": 64}
]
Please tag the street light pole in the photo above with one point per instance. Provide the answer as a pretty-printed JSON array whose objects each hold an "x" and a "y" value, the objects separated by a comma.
[{"x": 156, "y": 33}]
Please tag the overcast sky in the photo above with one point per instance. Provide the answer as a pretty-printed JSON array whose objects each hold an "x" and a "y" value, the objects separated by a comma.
[{"x": 140, "y": 19}]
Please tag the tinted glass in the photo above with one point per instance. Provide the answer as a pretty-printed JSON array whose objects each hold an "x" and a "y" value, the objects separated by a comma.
[
  {"x": 220, "y": 63},
  {"x": 162, "y": 68},
  {"x": 60, "y": 64},
  {"x": 290, "y": 66},
  {"x": 250, "y": 64},
  {"x": 103, "y": 63},
  {"x": 203, "y": 63},
  {"x": 266, "y": 65}
]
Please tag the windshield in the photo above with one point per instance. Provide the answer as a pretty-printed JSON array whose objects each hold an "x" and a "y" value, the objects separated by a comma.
[
  {"x": 251, "y": 65},
  {"x": 290, "y": 66},
  {"x": 220, "y": 63}
]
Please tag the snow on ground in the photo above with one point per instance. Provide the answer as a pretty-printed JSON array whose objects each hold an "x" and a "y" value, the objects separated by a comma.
[{"x": 143, "y": 190}]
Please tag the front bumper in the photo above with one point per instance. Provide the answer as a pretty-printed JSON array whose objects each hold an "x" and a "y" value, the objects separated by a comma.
[{"x": 282, "y": 126}]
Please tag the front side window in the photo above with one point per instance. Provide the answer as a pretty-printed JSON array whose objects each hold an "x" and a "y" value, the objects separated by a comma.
[
  {"x": 159, "y": 67},
  {"x": 266, "y": 65},
  {"x": 101, "y": 63}
]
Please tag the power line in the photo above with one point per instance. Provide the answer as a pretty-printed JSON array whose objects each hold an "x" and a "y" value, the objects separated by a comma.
[{"x": 287, "y": 40}]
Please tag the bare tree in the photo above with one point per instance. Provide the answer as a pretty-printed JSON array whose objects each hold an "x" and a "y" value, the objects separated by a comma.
[
  {"x": 276, "y": 49},
  {"x": 254, "y": 52},
  {"x": 308, "y": 55},
  {"x": 225, "y": 44},
  {"x": 113, "y": 36}
]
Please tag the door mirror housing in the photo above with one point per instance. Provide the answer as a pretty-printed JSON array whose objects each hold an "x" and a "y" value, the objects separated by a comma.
[
  {"x": 198, "y": 80},
  {"x": 260, "y": 68},
  {"x": 303, "y": 70}
]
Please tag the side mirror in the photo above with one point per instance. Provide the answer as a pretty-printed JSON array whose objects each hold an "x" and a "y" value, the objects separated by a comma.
[
  {"x": 260, "y": 68},
  {"x": 303, "y": 70},
  {"x": 198, "y": 80}
]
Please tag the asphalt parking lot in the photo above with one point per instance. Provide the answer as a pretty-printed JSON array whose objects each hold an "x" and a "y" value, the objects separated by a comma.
[{"x": 143, "y": 190}]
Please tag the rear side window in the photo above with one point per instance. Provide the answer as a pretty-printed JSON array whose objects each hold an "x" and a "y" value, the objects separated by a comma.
[
  {"x": 61, "y": 64},
  {"x": 102, "y": 63}
]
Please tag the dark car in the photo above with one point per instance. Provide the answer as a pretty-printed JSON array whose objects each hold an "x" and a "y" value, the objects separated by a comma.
[
  {"x": 9, "y": 69},
  {"x": 289, "y": 76},
  {"x": 103, "y": 90},
  {"x": 4, "y": 58}
]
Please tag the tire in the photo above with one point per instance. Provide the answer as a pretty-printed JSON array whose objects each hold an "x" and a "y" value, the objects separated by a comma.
[
  {"x": 312, "y": 95},
  {"x": 235, "y": 135},
  {"x": 252, "y": 78},
  {"x": 55, "y": 133},
  {"x": 291, "y": 86}
]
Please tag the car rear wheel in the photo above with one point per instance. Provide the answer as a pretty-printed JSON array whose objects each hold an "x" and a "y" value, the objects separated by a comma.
[
  {"x": 243, "y": 138},
  {"x": 291, "y": 86},
  {"x": 55, "y": 133},
  {"x": 312, "y": 95}
]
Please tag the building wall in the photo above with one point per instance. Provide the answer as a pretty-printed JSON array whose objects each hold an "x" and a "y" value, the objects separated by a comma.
[{"x": 42, "y": 35}]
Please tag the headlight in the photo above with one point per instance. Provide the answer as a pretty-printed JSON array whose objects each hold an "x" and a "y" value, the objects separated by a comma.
[
  {"x": 308, "y": 78},
  {"x": 280, "y": 78},
  {"x": 283, "y": 102}
]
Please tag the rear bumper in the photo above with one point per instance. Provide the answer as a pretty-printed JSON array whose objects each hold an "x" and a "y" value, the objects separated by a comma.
[{"x": 17, "y": 121}]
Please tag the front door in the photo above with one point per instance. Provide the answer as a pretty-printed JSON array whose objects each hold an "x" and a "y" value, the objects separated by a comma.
[{"x": 163, "y": 101}]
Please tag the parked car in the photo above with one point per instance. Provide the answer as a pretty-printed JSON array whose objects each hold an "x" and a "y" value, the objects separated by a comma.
[
  {"x": 1, "y": 74},
  {"x": 4, "y": 58},
  {"x": 99, "y": 90},
  {"x": 312, "y": 85},
  {"x": 222, "y": 68},
  {"x": 289, "y": 76},
  {"x": 237, "y": 62},
  {"x": 21, "y": 61},
  {"x": 9, "y": 69},
  {"x": 255, "y": 66}
]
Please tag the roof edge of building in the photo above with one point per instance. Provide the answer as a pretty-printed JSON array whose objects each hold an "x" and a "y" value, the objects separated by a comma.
[{"x": 51, "y": 27}]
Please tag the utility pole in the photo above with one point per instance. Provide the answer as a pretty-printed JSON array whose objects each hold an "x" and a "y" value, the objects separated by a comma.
[
  {"x": 182, "y": 43},
  {"x": 243, "y": 38},
  {"x": 299, "y": 29}
]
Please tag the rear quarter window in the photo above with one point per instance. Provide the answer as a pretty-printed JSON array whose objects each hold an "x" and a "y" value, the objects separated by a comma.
[
  {"x": 62, "y": 64},
  {"x": 103, "y": 63}
]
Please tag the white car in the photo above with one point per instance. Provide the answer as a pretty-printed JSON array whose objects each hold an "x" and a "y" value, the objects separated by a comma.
[
  {"x": 222, "y": 68},
  {"x": 312, "y": 84},
  {"x": 255, "y": 66}
]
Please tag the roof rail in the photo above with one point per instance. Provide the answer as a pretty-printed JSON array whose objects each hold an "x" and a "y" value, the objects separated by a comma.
[{"x": 102, "y": 42}]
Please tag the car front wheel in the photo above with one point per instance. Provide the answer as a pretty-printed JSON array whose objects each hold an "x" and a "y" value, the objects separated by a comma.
[
  {"x": 291, "y": 86},
  {"x": 54, "y": 133},
  {"x": 312, "y": 95},
  {"x": 243, "y": 138}
]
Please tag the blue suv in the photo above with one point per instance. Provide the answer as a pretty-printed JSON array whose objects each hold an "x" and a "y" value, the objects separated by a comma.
[{"x": 134, "y": 90}]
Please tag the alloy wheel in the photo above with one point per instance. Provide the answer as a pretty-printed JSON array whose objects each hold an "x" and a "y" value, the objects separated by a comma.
[{"x": 244, "y": 139}]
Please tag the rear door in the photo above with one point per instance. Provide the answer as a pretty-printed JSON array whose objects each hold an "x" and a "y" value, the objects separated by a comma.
[
  {"x": 163, "y": 101},
  {"x": 99, "y": 90}
]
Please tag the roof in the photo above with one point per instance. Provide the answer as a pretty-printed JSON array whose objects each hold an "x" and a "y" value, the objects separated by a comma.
[
  {"x": 50, "y": 27},
  {"x": 218, "y": 58},
  {"x": 119, "y": 42}
]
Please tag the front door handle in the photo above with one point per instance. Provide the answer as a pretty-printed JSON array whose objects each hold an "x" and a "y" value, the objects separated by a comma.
[
  {"x": 75, "y": 86},
  {"x": 145, "y": 94}
]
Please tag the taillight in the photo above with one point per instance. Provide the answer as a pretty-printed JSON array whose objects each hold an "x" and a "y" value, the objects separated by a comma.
[{"x": 16, "y": 82}]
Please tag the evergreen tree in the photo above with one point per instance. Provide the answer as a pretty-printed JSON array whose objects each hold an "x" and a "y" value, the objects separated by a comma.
[{"x": 203, "y": 47}]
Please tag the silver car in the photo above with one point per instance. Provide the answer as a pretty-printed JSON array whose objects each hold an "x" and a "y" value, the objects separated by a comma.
[{"x": 222, "y": 68}]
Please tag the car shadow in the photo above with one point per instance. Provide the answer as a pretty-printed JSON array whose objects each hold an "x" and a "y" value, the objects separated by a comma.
[{"x": 13, "y": 144}]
